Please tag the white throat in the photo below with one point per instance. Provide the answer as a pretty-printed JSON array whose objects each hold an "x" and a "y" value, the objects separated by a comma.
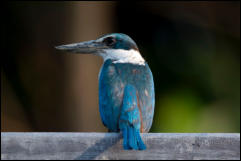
[{"x": 123, "y": 56}]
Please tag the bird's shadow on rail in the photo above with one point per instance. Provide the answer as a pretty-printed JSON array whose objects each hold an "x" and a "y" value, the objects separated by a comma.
[{"x": 99, "y": 147}]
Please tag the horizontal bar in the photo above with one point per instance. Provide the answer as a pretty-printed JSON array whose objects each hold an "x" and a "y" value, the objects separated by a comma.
[{"x": 68, "y": 146}]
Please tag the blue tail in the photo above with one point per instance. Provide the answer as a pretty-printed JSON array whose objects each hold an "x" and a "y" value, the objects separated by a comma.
[
  {"x": 132, "y": 139},
  {"x": 130, "y": 121}
]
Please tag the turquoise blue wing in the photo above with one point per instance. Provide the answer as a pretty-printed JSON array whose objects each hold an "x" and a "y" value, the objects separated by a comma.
[
  {"x": 111, "y": 90},
  {"x": 130, "y": 120}
]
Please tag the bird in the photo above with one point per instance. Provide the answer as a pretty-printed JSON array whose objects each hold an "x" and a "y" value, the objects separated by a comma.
[{"x": 126, "y": 86}]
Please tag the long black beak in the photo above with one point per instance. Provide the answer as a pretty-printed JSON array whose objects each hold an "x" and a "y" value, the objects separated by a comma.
[{"x": 86, "y": 47}]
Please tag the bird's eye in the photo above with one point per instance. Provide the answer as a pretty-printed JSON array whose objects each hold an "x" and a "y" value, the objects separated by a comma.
[{"x": 109, "y": 41}]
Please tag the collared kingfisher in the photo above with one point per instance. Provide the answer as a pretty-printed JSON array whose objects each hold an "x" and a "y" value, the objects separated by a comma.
[{"x": 126, "y": 87}]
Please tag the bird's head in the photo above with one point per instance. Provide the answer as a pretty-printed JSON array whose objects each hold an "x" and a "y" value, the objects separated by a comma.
[{"x": 116, "y": 46}]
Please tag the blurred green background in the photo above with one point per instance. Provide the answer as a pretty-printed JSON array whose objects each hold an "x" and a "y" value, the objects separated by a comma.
[{"x": 192, "y": 48}]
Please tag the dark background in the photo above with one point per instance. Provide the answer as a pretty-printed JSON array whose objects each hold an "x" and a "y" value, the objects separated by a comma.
[{"x": 192, "y": 48}]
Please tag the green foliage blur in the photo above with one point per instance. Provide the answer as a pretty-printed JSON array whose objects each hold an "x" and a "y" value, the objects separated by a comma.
[{"x": 207, "y": 98}]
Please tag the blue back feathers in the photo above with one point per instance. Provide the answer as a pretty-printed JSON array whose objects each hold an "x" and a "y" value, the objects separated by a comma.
[{"x": 126, "y": 100}]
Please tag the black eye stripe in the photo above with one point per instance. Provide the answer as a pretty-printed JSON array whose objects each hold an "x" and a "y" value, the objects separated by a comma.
[{"x": 109, "y": 41}]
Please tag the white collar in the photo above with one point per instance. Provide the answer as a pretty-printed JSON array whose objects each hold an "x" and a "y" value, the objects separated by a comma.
[{"x": 123, "y": 56}]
